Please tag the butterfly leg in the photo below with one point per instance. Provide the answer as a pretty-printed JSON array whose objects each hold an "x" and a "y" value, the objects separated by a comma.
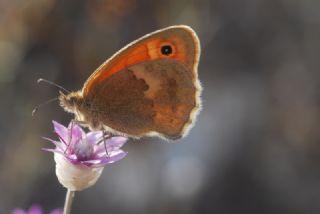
[
  {"x": 70, "y": 137},
  {"x": 105, "y": 136},
  {"x": 73, "y": 122}
]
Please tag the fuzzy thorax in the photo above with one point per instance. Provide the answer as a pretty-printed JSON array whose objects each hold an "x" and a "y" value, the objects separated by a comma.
[
  {"x": 71, "y": 102},
  {"x": 75, "y": 103}
]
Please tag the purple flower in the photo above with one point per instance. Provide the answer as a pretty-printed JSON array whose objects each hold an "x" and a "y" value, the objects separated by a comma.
[
  {"x": 80, "y": 157},
  {"x": 86, "y": 149},
  {"x": 35, "y": 209}
]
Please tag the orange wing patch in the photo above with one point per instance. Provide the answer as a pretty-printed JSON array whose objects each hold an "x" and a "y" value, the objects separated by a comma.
[{"x": 142, "y": 51}]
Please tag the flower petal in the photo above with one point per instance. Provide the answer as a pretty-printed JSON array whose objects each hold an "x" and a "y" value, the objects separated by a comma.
[
  {"x": 105, "y": 159},
  {"x": 56, "y": 211},
  {"x": 18, "y": 211},
  {"x": 77, "y": 132},
  {"x": 94, "y": 137},
  {"x": 117, "y": 141},
  {"x": 112, "y": 144},
  {"x": 114, "y": 158},
  {"x": 35, "y": 209},
  {"x": 61, "y": 130},
  {"x": 72, "y": 157},
  {"x": 114, "y": 153}
]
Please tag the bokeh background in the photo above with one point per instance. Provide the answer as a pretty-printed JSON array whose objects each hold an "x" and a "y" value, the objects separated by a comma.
[{"x": 255, "y": 147}]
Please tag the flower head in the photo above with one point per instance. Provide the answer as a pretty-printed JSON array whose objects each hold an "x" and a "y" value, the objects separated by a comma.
[
  {"x": 86, "y": 148},
  {"x": 34, "y": 209},
  {"x": 80, "y": 156}
]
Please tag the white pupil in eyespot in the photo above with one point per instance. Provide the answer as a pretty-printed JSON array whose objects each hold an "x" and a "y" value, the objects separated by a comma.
[{"x": 166, "y": 50}]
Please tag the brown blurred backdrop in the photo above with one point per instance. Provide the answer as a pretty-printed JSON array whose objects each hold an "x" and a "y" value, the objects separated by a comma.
[{"x": 255, "y": 147}]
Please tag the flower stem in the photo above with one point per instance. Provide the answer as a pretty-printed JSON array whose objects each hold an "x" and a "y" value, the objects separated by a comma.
[{"x": 68, "y": 202}]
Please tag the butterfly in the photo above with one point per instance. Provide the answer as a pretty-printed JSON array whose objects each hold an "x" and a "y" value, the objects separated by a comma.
[{"x": 148, "y": 88}]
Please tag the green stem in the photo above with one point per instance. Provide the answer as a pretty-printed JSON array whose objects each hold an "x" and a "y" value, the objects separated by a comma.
[{"x": 68, "y": 202}]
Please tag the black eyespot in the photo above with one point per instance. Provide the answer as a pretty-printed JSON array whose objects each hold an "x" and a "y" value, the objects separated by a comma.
[{"x": 166, "y": 50}]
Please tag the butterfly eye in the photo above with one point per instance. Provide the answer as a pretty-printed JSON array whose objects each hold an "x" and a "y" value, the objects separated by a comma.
[{"x": 166, "y": 50}]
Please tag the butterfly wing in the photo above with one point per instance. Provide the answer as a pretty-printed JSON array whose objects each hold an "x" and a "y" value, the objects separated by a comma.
[{"x": 150, "y": 87}]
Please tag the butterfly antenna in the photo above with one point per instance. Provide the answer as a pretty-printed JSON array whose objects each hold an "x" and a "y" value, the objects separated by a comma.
[
  {"x": 52, "y": 83},
  {"x": 42, "y": 104}
]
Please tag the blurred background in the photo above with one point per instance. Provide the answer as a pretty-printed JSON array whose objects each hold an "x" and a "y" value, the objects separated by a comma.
[{"x": 255, "y": 147}]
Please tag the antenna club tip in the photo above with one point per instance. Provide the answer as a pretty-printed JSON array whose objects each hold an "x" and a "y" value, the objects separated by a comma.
[
  {"x": 39, "y": 80},
  {"x": 34, "y": 111}
]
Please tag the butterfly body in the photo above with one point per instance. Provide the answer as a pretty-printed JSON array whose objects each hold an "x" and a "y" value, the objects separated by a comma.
[{"x": 148, "y": 88}]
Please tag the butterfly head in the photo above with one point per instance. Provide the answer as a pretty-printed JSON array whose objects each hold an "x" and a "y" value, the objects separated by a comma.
[{"x": 71, "y": 102}]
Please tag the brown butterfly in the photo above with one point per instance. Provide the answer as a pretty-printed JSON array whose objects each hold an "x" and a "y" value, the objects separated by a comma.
[{"x": 148, "y": 88}]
